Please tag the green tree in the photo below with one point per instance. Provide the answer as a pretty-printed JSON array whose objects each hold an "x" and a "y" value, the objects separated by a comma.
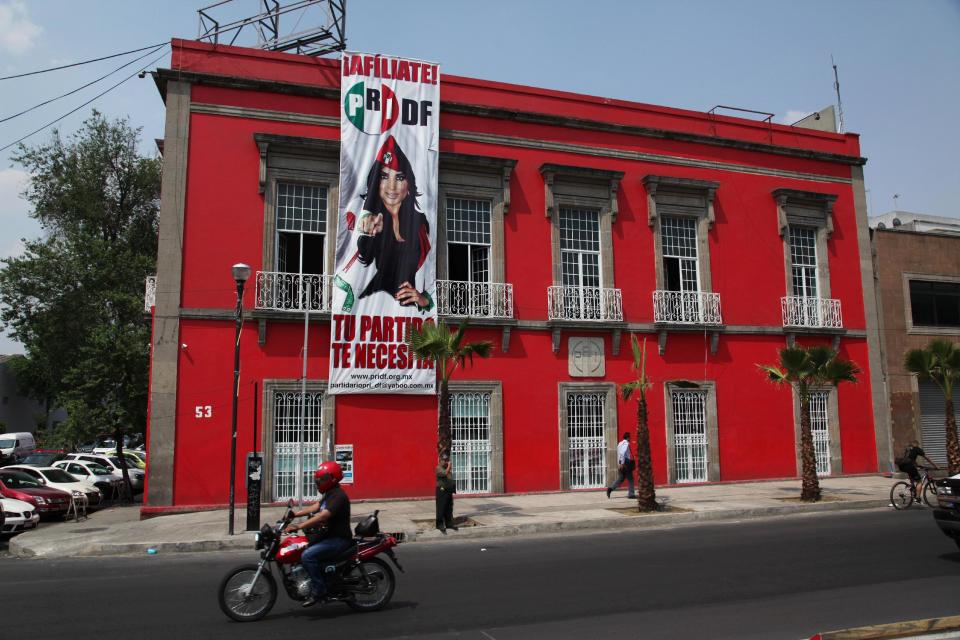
[
  {"x": 939, "y": 362},
  {"x": 74, "y": 298},
  {"x": 646, "y": 493},
  {"x": 447, "y": 350},
  {"x": 806, "y": 368}
]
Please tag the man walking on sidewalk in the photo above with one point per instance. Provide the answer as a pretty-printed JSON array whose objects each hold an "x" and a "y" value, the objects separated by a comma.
[{"x": 625, "y": 466}]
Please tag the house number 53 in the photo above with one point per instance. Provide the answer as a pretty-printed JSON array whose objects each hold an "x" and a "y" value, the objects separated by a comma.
[{"x": 203, "y": 411}]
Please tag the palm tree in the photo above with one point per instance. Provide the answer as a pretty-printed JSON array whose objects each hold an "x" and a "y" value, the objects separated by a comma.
[
  {"x": 447, "y": 351},
  {"x": 940, "y": 362},
  {"x": 646, "y": 494},
  {"x": 805, "y": 368}
]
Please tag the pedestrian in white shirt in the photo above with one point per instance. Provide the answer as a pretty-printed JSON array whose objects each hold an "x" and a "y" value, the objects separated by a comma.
[{"x": 625, "y": 467}]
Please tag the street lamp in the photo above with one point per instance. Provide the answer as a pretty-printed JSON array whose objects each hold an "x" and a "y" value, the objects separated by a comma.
[{"x": 240, "y": 274}]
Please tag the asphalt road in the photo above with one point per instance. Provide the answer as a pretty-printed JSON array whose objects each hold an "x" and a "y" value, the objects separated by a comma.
[{"x": 778, "y": 578}]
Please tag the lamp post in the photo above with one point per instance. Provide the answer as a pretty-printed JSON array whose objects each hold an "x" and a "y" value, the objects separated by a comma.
[{"x": 240, "y": 274}]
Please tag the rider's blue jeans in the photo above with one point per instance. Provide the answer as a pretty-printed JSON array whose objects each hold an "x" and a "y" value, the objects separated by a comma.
[{"x": 313, "y": 560}]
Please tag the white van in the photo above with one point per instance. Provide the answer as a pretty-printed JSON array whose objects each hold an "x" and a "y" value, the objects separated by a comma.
[{"x": 16, "y": 446}]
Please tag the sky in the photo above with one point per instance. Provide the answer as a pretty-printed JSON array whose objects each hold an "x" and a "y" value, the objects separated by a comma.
[{"x": 899, "y": 67}]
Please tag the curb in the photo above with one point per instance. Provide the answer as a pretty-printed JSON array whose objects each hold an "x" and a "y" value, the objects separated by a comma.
[
  {"x": 23, "y": 549},
  {"x": 911, "y": 629}
]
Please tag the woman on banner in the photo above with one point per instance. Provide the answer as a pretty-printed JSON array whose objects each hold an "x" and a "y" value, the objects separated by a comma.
[{"x": 394, "y": 233}]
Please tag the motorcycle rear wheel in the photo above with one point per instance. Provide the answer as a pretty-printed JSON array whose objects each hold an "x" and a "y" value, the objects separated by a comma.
[
  {"x": 378, "y": 594},
  {"x": 256, "y": 603}
]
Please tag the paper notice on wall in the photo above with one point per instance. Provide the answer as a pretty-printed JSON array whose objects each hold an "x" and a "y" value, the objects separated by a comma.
[
  {"x": 384, "y": 283},
  {"x": 343, "y": 454}
]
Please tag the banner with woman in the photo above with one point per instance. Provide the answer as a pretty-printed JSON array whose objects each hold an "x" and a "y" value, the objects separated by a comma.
[{"x": 384, "y": 282}]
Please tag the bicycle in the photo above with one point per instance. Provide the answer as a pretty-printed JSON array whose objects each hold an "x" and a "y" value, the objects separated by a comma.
[{"x": 903, "y": 493}]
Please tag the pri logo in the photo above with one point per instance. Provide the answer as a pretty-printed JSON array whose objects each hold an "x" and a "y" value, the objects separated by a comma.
[{"x": 371, "y": 110}]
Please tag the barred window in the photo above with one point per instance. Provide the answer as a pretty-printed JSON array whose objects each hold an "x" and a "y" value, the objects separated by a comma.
[
  {"x": 470, "y": 432},
  {"x": 290, "y": 412}
]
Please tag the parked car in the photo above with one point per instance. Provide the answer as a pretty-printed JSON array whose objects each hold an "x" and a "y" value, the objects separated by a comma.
[
  {"x": 17, "y": 446},
  {"x": 112, "y": 463},
  {"x": 45, "y": 500},
  {"x": 947, "y": 516},
  {"x": 44, "y": 457},
  {"x": 134, "y": 461},
  {"x": 18, "y": 516},
  {"x": 60, "y": 479},
  {"x": 92, "y": 474},
  {"x": 107, "y": 444}
]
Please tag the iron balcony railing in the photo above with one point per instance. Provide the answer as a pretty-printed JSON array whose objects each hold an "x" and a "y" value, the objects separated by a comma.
[
  {"x": 474, "y": 299},
  {"x": 150, "y": 293},
  {"x": 584, "y": 303},
  {"x": 686, "y": 307},
  {"x": 280, "y": 291},
  {"x": 799, "y": 311}
]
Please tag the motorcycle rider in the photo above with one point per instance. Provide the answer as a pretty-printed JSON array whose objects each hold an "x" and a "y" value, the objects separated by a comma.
[{"x": 327, "y": 527}]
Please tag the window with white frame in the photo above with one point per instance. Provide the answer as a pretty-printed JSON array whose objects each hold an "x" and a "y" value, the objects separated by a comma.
[
  {"x": 820, "y": 429},
  {"x": 471, "y": 448},
  {"x": 690, "y": 435},
  {"x": 580, "y": 261},
  {"x": 289, "y": 413},
  {"x": 468, "y": 240},
  {"x": 803, "y": 261},
  {"x": 585, "y": 439},
  {"x": 301, "y": 228},
  {"x": 679, "y": 241}
]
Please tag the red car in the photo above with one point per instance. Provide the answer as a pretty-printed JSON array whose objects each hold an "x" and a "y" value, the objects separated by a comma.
[{"x": 20, "y": 486}]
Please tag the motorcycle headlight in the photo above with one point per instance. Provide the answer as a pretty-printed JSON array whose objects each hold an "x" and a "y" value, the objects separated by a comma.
[{"x": 257, "y": 541}]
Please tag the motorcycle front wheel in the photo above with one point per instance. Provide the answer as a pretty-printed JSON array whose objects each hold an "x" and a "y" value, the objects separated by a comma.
[
  {"x": 241, "y": 599},
  {"x": 372, "y": 583}
]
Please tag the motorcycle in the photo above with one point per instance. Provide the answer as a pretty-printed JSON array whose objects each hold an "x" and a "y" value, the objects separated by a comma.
[{"x": 356, "y": 577}]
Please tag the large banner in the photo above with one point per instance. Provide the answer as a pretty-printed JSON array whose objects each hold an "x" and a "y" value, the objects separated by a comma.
[{"x": 384, "y": 283}]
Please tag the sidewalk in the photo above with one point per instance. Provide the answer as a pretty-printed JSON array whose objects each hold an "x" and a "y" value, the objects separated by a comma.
[{"x": 120, "y": 531}]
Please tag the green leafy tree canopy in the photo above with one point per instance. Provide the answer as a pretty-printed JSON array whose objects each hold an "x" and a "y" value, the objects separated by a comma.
[{"x": 74, "y": 298}]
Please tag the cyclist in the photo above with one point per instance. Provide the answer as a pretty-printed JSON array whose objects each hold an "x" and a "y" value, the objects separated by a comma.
[{"x": 908, "y": 464}]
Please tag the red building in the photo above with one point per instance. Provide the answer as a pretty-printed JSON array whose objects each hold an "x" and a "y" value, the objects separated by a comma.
[{"x": 566, "y": 223}]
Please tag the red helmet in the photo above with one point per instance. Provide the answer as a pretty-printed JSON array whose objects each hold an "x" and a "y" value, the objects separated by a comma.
[{"x": 327, "y": 475}]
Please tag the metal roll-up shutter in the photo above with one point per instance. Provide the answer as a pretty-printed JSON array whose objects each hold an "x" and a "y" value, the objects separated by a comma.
[{"x": 932, "y": 420}]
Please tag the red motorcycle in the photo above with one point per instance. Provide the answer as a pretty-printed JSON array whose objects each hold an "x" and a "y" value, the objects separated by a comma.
[{"x": 356, "y": 577}]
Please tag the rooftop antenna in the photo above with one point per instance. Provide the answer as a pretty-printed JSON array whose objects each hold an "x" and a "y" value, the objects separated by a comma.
[
  {"x": 836, "y": 86},
  {"x": 896, "y": 198}
]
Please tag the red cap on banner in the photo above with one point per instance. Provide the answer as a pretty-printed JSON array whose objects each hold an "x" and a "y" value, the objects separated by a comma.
[{"x": 387, "y": 156}]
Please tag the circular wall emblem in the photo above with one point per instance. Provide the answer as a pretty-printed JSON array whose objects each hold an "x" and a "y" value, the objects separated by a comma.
[{"x": 371, "y": 110}]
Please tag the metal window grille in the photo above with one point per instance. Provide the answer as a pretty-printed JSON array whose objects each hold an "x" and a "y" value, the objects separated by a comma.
[
  {"x": 468, "y": 221},
  {"x": 690, "y": 435},
  {"x": 288, "y": 414},
  {"x": 587, "y": 446},
  {"x": 470, "y": 430},
  {"x": 803, "y": 261},
  {"x": 820, "y": 428},
  {"x": 580, "y": 262},
  {"x": 679, "y": 242}
]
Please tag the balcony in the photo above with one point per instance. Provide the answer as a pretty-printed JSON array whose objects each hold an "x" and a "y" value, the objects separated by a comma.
[
  {"x": 815, "y": 313},
  {"x": 150, "y": 294},
  {"x": 277, "y": 291},
  {"x": 686, "y": 307},
  {"x": 474, "y": 299},
  {"x": 589, "y": 304}
]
